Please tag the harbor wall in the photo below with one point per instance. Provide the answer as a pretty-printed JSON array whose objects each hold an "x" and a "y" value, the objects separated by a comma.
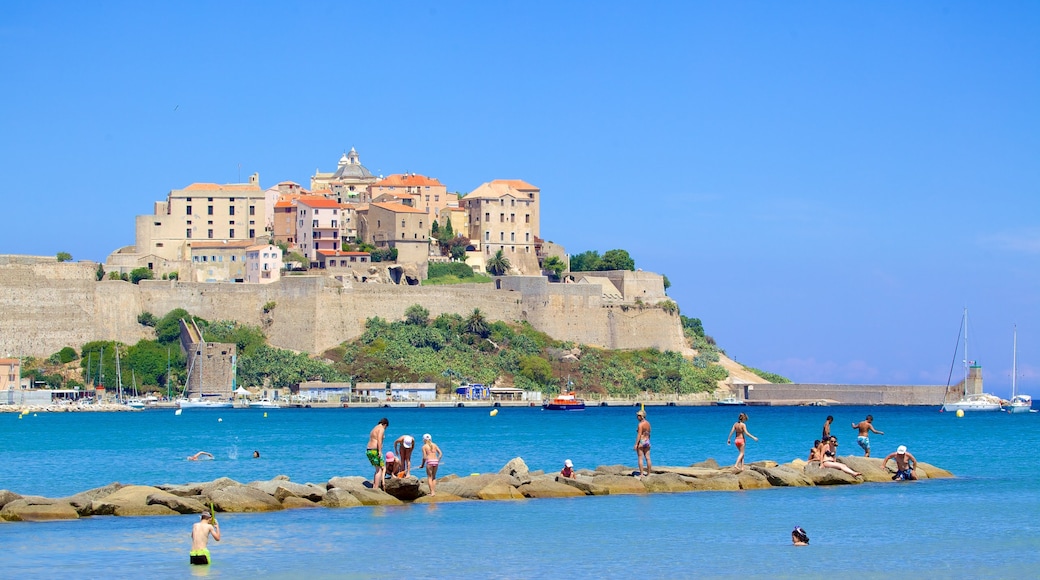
[
  {"x": 797, "y": 394},
  {"x": 46, "y": 305}
]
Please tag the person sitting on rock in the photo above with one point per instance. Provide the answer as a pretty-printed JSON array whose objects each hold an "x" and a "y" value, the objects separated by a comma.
[
  {"x": 393, "y": 466},
  {"x": 830, "y": 460},
  {"x": 906, "y": 464},
  {"x": 568, "y": 469}
]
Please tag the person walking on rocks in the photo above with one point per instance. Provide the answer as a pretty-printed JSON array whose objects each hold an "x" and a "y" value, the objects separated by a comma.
[
  {"x": 866, "y": 427},
  {"x": 642, "y": 443},
  {"x": 200, "y": 533},
  {"x": 431, "y": 458},
  {"x": 740, "y": 430},
  {"x": 374, "y": 451}
]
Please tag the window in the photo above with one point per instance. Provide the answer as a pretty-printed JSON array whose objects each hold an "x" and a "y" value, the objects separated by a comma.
[
  {"x": 189, "y": 210},
  {"x": 194, "y": 258},
  {"x": 317, "y": 211},
  {"x": 231, "y": 233},
  {"x": 512, "y": 202},
  {"x": 527, "y": 218},
  {"x": 231, "y": 222},
  {"x": 252, "y": 210},
  {"x": 436, "y": 198},
  {"x": 232, "y": 200},
  {"x": 487, "y": 236},
  {"x": 379, "y": 223},
  {"x": 314, "y": 223},
  {"x": 487, "y": 216},
  {"x": 402, "y": 223},
  {"x": 187, "y": 199},
  {"x": 231, "y": 210},
  {"x": 209, "y": 209},
  {"x": 501, "y": 218},
  {"x": 501, "y": 236},
  {"x": 512, "y": 236},
  {"x": 210, "y": 234},
  {"x": 234, "y": 258},
  {"x": 527, "y": 237},
  {"x": 512, "y": 218},
  {"x": 210, "y": 199},
  {"x": 252, "y": 234},
  {"x": 187, "y": 233},
  {"x": 335, "y": 224}
]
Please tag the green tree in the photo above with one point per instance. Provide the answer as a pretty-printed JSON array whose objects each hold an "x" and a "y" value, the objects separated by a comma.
[
  {"x": 587, "y": 261},
  {"x": 142, "y": 273},
  {"x": 499, "y": 264},
  {"x": 449, "y": 232},
  {"x": 477, "y": 324},
  {"x": 146, "y": 319},
  {"x": 616, "y": 260},
  {"x": 417, "y": 315},
  {"x": 667, "y": 282},
  {"x": 114, "y": 276},
  {"x": 555, "y": 266},
  {"x": 434, "y": 229},
  {"x": 537, "y": 369},
  {"x": 693, "y": 325},
  {"x": 64, "y": 257},
  {"x": 99, "y": 274}
]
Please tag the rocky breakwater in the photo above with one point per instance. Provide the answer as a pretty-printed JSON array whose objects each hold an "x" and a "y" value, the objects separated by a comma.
[{"x": 513, "y": 482}]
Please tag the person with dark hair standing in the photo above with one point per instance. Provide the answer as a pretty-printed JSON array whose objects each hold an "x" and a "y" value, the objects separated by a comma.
[
  {"x": 374, "y": 451},
  {"x": 827, "y": 428},
  {"x": 740, "y": 430},
  {"x": 642, "y": 442},
  {"x": 866, "y": 427}
]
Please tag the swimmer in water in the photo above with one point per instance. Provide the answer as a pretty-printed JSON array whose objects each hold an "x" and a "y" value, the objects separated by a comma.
[{"x": 200, "y": 455}]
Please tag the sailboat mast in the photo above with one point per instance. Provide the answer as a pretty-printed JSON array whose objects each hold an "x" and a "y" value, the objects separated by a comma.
[
  {"x": 167, "y": 373},
  {"x": 966, "y": 363},
  {"x": 1014, "y": 361}
]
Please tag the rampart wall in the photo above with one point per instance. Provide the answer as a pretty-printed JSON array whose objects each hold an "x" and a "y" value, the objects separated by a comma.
[
  {"x": 45, "y": 306},
  {"x": 794, "y": 393}
]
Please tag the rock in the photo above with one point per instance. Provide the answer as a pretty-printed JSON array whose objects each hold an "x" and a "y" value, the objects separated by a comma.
[
  {"x": 439, "y": 498},
  {"x": 615, "y": 470},
  {"x": 20, "y": 510},
  {"x": 619, "y": 484},
  {"x": 188, "y": 490},
  {"x": 583, "y": 483},
  {"x": 338, "y": 498},
  {"x": 181, "y": 505},
  {"x": 764, "y": 463},
  {"x": 720, "y": 482},
  {"x": 870, "y": 467},
  {"x": 350, "y": 482},
  {"x": 784, "y": 476},
  {"x": 517, "y": 470},
  {"x": 240, "y": 498},
  {"x": 282, "y": 488},
  {"x": 293, "y": 502},
  {"x": 403, "y": 488},
  {"x": 690, "y": 471},
  {"x": 207, "y": 489},
  {"x": 131, "y": 500},
  {"x": 499, "y": 490},
  {"x": 374, "y": 497},
  {"x": 751, "y": 479},
  {"x": 828, "y": 476},
  {"x": 928, "y": 471},
  {"x": 707, "y": 464},
  {"x": 82, "y": 501},
  {"x": 7, "y": 497},
  {"x": 469, "y": 487},
  {"x": 548, "y": 487},
  {"x": 666, "y": 483}
]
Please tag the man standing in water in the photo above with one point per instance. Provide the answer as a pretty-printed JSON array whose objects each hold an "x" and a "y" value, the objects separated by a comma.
[
  {"x": 642, "y": 443},
  {"x": 866, "y": 427},
  {"x": 374, "y": 451},
  {"x": 200, "y": 533}
]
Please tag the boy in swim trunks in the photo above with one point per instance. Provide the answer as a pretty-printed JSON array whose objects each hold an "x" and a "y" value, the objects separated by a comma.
[
  {"x": 866, "y": 427},
  {"x": 374, "y": 451},
  {"x": 200, "y": 533},
  {"x": 642, "y": 446}
]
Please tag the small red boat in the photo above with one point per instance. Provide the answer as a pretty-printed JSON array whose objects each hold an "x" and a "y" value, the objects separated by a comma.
[{"x": 564, "y": 402}]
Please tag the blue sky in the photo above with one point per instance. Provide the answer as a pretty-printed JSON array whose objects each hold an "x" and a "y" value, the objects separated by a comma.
[{"x": 826, "y": 185}]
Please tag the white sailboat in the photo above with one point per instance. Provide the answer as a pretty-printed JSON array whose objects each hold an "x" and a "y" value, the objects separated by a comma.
[
  {"x": 1019, "y": 403},
  {"x": 973, "y": 402}
]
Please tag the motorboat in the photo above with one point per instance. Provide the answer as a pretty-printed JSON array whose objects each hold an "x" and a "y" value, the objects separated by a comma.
[
  {"x": 201, "y": 403},
  {"x": 263, "y": 403},
  {"x": 730, "y": 401},
  {"x": 564, "y": 402}
]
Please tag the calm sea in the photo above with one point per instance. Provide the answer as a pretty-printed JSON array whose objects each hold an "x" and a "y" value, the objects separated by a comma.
[{"x": 984, "y": 523}]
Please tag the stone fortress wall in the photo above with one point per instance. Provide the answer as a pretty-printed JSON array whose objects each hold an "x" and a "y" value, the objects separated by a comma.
[{"x": 46, "y": 305}]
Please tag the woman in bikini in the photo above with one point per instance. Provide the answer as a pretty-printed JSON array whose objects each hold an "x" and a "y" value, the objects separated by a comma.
[
  {"x": 740, "y": 430},
  {"x": 830, "y": 459},
  {"x": 431, "y": 458}
]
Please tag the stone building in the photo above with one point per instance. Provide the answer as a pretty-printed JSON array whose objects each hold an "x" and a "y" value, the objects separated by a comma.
[
  {"x": 504, "y": 215},
  {"x": 428, "y": 193},
  {"x": 349, "y": 183},
  {"x": 317, "y": 226},
  {"x": 223, "y": 261},
  {"x": 392, "y": 225},
  {"x": 10, "y": 373},
  {"x": 211, "y": 365}
]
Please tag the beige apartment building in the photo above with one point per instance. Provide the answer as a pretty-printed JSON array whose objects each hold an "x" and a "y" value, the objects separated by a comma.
[
  {"x": 219, "y": 261},
  {"x": 284, "y": 223},
  {"x": 349, "y": 183},
  {"x": 10, "y": 373},
  {"x": 393, "y": 225},
  {"x": 504, "y": 215},
  {"x": 317, "y": 226},
  {"x": 202, "y": 211},
  {"x": 263, "y": 264},
  {"x": 428, "y": 193},
  {"x": 283, "y": 191}
]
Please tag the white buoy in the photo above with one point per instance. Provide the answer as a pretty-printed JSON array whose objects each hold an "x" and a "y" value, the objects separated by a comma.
[
  {"x": 494, "y": 412},
  {"x": 219, "y": 420},
  {"x": 177, "y": 412}
]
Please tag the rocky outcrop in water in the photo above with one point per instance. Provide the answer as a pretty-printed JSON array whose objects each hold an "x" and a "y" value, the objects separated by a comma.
[{"x": 513, "y": 482}]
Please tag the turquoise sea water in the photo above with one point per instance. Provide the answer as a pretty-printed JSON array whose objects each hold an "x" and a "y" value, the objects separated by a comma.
[{"x": 984, "y": 523}]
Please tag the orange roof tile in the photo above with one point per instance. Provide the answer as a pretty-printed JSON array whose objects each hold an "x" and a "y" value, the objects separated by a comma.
[
  {"x": 397, "y": 207},
  {"x": 9, "y": 361},
  {"x": 282, "y": 204},
  {"x": 336, "y": 253},
  {"x": 319, "y": 202},
  {"x": 519, "y": 184},
  {"x": 261, "y": 247},
  {"x": 408, "y": 180}
]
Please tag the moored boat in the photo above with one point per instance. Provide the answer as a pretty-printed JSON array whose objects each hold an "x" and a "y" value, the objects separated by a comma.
[
  {"x": 1018, "y": 403},
  {"x": 201, "y": 403},
  {"x": 564, "y": 402},
  {"x": 264, "y": 403},
  {"x": 730, "y": 401}
]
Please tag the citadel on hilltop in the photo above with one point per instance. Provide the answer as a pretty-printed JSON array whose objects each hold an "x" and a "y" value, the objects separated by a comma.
[
  {"x": 205, "y": 231},
  {"x": 217, "y": 251}
]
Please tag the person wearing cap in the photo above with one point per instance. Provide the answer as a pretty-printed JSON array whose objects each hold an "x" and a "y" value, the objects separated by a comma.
[
  {"x": 642, "y": 446},
  {"x": 374, "y": 451},
  {"x": 799, "y": 537},
  {"x": 200, "y": 533},
  {"x": 403, "y": 445},
  {"x": 906, "y": 464},
  {"x": 568, "y": 469},
  {"x": 431, "y": 458}
]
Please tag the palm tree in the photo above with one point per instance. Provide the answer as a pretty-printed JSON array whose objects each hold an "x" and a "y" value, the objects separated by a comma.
[
  {"x": 477, "y": 324},
  {"x": 498, "y": 264}
]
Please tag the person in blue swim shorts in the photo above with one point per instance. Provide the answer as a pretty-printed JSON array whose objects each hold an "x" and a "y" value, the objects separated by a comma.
[
  {"x": 906, "y": 464},
  {"x": 866, "y": 427}
]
